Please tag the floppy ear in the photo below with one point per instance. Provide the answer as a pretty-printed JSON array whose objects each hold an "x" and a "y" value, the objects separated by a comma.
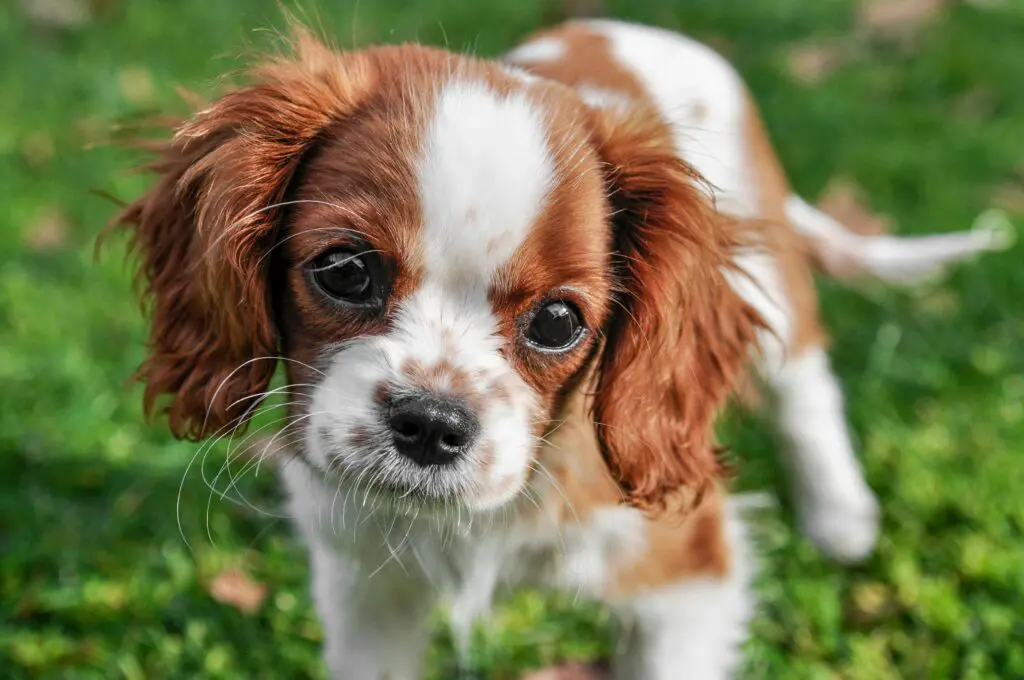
[
  {"x": 679, "y": 334},
  {"x": 206, "y": 226}
]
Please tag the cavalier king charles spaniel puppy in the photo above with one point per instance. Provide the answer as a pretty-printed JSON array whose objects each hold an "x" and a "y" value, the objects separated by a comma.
[{"x": 509, "y": 298}]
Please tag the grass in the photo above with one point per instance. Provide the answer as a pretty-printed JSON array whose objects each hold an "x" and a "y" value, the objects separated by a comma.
[{"x": 96, "y": 577}]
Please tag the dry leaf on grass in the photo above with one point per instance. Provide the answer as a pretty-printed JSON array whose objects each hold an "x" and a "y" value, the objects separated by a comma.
[
  {"x": 58, "y": 14},
  {"x": 48, "y": 232},
  {"x": 870, "y": 603},
  {"x": 898, "y": 17},
  {"x": 843, "y": 200},
  {"x": 235, "y": 588},
  {"x": 569, "y": 671},
  {"x": 811, "y": 62}
]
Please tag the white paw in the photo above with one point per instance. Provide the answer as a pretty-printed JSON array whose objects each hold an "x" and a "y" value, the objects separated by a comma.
[{"x": 845, "y": 530}]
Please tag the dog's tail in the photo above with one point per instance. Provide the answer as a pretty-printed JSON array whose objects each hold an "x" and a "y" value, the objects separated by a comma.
[{"x": 844, "y": 254}]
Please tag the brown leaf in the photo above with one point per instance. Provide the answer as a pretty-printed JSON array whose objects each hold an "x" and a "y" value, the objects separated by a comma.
[
  {"x": 1009, "y": 197},
  {"x": 898, "y": 17},
  {"x": 843, "y": 200},
  {"x": 870, "y": 603},
  {"x": 57, "y": 14},
  {"x": 570, "y": 671},
  {"x": 811, "y": 62},
  {"x": 235, "y": 588},
  {"x": 48, "y": 232}
]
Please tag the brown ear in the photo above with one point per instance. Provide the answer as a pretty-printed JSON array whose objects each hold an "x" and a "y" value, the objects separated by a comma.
[
  {"x": 206, "y": 226},
  {"x": 679, "y": 334}
]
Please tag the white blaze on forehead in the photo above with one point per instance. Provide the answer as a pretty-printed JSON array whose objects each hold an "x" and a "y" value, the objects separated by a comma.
[{"x": 484, "y": 174}]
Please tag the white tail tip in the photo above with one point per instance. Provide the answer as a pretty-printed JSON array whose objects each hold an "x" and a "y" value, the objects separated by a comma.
[{"x": 995, "y": 225}]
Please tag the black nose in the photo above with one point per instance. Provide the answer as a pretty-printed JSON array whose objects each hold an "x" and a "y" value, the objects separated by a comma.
[{"x": 431, "y": 430}]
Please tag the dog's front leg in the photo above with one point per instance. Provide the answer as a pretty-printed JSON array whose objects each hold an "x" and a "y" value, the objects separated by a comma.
[{"x": 375, "y": 628}]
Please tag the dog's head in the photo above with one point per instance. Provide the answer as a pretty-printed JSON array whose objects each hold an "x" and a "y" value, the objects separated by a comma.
[{"x": 439, "y": 249}]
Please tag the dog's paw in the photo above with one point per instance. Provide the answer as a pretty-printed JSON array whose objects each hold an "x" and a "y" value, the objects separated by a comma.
[{"x": 846, "y": 531}]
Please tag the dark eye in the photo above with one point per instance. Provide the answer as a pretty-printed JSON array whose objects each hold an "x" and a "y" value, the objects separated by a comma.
[
  {"x": 344, "y": 275},
  {"x": 555, "y": 326}
]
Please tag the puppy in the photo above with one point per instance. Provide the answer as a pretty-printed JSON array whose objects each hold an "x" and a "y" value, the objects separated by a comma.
[{"x": 508, "y": 312}]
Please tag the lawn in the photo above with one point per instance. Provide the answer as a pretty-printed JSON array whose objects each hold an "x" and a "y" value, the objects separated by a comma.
[{"x": 111, "y": 543}]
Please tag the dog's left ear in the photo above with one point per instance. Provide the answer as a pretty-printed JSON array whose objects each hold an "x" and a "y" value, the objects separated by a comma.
[
  {"x": 205, "y": 229},
  {"x": 679, "y": 334}
]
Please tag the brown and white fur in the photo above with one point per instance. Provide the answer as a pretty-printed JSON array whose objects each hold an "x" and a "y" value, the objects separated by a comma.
[{"x": 473, "y": 195}]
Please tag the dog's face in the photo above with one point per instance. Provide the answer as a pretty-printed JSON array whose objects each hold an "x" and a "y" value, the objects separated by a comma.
[
  {"x": 440, "y": 249},
  {"x": 446, "y": 267}
]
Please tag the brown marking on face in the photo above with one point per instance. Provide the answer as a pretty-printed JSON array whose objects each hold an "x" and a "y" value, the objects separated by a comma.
[
  {"x": 358, "y": 189},
  {"x": 564, "y": 257},
  {"x": 382, "y": 393},
  {"x": 700, "y": 112},
  {"x": 360, "y": 185},
  {"x": 360, "y": 437},
  {"x": 793, "y": 258},
  {"x": 443, "y": 377},
  {"x": 498, "y": 392}
]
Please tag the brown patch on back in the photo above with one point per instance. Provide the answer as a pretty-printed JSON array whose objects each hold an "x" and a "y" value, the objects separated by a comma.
[
  {"x": 587, "y": 61},
  {"x": 787, "y": 245}
]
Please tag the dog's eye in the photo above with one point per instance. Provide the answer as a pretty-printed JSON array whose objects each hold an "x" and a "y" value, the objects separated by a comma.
[
  {"x": 344, "y": 275},
  {"x": 555, "y": 326}
]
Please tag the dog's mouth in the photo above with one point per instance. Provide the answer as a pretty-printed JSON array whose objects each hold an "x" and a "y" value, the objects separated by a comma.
[
  {"x": 424, "y": 489},
  {"x": 382, "y": 474},
  {"x": 374, "y": 472}
]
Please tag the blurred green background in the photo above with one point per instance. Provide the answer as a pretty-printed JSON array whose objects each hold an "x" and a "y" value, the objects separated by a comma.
[{"x": 919, "y": 103}]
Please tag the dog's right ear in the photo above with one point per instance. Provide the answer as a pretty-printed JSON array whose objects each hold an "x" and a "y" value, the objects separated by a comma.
[
  {"x": 680, "y": 334},
  {"x": 204, "y": 230}
]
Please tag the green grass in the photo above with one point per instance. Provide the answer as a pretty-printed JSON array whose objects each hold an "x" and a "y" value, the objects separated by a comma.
[{"x": 96, "y": 580}]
